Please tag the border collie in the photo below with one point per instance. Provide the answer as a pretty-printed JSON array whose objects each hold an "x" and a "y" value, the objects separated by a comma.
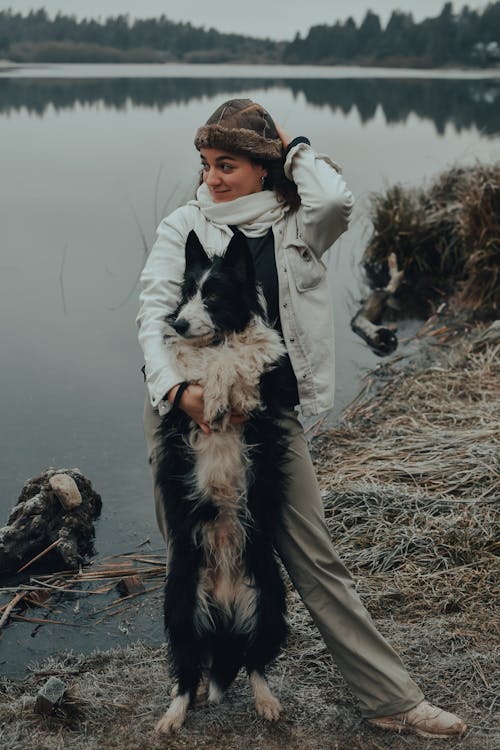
[{"x": 223, "y": 491}]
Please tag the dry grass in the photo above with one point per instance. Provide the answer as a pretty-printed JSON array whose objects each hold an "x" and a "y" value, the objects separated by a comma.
[
  {"x": 446, "y": 238},
  {"x": 411, "y": 484}
]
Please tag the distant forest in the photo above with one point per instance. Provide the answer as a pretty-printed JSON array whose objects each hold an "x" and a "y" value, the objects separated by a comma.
[{"x": 468, "y": 37}]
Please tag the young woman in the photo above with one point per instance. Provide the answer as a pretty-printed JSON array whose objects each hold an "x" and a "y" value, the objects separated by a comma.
[{"x": 292, "y": 205}]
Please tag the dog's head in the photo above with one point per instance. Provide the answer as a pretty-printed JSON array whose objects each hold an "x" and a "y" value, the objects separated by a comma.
[{"x": 218, "y": 296}]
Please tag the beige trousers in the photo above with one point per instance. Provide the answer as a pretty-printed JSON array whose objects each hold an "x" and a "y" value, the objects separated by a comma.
[{"x": 372, "y": 669}]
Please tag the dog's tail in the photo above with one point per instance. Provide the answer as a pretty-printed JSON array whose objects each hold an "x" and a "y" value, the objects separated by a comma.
[{"x": 227, "y": 652}]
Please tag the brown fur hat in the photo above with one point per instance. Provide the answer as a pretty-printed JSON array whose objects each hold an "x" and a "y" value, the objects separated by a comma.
[{"x": 241, "y": 126}]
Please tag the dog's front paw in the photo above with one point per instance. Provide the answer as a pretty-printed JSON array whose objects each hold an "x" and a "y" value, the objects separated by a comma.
[
  {"x": 268, "y": 707},
  {"x": 175, "y": 717},
  {"x": 219, "y": 421}
]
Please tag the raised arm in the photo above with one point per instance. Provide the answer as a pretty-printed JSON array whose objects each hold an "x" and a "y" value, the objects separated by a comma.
[{"x": 326, "y": 201}]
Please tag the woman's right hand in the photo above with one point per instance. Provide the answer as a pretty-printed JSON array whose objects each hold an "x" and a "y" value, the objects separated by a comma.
[{"x": 192, "y": 403}]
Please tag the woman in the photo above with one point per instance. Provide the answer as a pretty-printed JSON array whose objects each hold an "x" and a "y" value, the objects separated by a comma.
[{"x": 292, "y": 205}]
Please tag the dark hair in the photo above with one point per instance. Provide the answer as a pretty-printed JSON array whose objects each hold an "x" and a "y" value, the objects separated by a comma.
[{"x": 276, "y": 180}]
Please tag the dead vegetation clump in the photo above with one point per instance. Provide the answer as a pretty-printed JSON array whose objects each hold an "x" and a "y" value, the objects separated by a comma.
[
  {"x": 446, "y": 238},
  {"x": 412, "y": 483}
]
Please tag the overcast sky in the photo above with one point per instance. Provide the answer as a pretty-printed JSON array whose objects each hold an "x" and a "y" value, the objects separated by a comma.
[{"x": 278, "y": 19}]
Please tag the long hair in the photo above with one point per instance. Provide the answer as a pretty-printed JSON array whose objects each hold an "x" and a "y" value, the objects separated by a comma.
[{"x": 276, "y": 180}]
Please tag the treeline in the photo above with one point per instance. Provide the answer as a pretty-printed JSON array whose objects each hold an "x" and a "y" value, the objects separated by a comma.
[
  {"x": 467, "y": 37},
  {"x": 37, "y": 37}
]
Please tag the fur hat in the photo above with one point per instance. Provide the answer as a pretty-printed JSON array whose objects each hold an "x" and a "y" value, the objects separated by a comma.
[{"x": 242, "y": 127}]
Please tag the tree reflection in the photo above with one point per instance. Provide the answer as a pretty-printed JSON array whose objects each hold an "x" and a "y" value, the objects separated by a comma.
[{"x": 460, "y": 103}]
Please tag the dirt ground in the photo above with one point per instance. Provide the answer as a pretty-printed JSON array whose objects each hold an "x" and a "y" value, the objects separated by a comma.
[{"x": 411, "y": 482}]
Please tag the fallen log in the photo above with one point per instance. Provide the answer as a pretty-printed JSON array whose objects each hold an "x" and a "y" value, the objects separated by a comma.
[{"x": 367, "y": 321}]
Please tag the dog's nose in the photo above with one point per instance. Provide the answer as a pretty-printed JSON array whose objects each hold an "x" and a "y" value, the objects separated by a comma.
[{"x": 181, "y": 326}]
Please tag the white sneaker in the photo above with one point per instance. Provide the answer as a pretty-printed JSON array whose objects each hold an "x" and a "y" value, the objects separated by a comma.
[{"x": 425, "y": 720}]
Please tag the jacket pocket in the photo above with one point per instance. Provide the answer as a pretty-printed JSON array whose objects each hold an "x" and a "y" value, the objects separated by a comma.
[{"x": 306, "y": 269}]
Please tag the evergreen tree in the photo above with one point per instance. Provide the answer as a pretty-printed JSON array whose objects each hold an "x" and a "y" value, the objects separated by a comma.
[{"x": 369, "y": 34}]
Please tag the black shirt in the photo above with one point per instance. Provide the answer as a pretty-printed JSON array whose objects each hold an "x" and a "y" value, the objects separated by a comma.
[{"x": 262, "y": 250}]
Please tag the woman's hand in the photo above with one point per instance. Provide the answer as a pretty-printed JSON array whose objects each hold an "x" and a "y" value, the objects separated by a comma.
[
  {"x": 193, "y": 404},
  {"x": 284, "y": 137}
]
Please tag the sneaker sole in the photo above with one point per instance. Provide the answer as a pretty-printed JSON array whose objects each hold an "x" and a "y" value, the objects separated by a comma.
[{"x": 409, "y": 729}]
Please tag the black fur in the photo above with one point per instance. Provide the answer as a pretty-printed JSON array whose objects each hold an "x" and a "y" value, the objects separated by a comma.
[
  {"x": 229, "y": 292},
  {"x": 190, "y": 650},
  {"x": 230, "y": 295}
]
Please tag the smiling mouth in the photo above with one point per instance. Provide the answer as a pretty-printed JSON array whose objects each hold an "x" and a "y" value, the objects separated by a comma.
[{"x": 220, "y": 195}]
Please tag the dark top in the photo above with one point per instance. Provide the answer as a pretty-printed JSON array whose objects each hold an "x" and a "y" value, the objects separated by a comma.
[{"x": 262, "y": 250}]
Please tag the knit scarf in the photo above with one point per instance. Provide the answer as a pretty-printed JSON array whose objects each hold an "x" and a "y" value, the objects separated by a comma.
[{"x": 254, "y": 214}]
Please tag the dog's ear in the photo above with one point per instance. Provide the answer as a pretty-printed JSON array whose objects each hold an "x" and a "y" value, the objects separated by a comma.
[
  {"x": 195, "y": 253},
  {"x": 239, "y": 258}
]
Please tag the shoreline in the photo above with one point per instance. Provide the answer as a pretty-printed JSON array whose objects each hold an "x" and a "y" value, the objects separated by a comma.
[{"x": 236, "y": 70}]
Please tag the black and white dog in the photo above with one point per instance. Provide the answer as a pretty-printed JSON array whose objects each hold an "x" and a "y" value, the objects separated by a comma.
[{"x": 223, "y": 491}]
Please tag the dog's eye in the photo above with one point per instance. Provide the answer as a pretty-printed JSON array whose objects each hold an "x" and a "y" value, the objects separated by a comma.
[{"x": 210, "y": 298}]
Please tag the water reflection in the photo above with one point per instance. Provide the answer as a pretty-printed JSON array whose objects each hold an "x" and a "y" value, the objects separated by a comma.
[{"x": 460, "y": 103}]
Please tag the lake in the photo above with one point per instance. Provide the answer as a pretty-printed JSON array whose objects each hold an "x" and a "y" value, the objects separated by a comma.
[{"x": 91, "y": 158}]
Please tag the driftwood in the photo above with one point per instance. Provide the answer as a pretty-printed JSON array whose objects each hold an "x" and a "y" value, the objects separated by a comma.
[
  {"x": 367, "y": 321},
  {"x": 54, "y": 514}
]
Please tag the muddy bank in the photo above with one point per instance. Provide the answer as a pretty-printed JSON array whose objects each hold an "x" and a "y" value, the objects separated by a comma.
[{"x": 411, "y": 481}]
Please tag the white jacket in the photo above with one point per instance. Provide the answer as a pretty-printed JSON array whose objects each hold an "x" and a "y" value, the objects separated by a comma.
[{"x": 300, "y": 238}]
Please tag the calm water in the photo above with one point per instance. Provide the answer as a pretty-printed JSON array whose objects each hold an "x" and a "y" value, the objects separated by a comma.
[{"x": 91, "y": 157}]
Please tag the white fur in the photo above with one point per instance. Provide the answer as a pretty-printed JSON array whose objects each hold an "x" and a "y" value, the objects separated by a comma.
[
  {"x": 221, "y": 465},
  {"x": 175, "y": 716},
  {"x": 266, "y": 704},
  {"x": 195, "y": 312},
  {"x": 229, "y": 371}
]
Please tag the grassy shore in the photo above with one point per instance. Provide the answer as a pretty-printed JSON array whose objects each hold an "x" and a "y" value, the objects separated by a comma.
[{"x": 410, "y": 480}]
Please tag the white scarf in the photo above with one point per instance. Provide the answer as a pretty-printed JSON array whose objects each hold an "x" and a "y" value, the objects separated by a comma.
[{"x": 254, "y": 214}]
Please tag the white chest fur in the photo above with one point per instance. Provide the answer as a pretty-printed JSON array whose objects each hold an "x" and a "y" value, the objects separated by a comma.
[{"x": 230, "y": 373}]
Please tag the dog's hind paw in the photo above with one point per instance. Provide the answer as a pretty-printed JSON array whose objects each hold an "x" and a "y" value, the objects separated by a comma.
[
  {"x": 268, "y": 707},
  {"x": 175, "y": 717}
]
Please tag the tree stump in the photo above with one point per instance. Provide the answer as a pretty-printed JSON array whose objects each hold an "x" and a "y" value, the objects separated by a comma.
[{"x": 57, "y": 508}]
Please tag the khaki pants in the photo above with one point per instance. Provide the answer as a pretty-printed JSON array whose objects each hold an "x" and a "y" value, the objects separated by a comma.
[{"x": 369, "y": 665}]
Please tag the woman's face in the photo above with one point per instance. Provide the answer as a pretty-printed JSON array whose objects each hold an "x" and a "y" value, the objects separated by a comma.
[{"x": 229, "y": 176}]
